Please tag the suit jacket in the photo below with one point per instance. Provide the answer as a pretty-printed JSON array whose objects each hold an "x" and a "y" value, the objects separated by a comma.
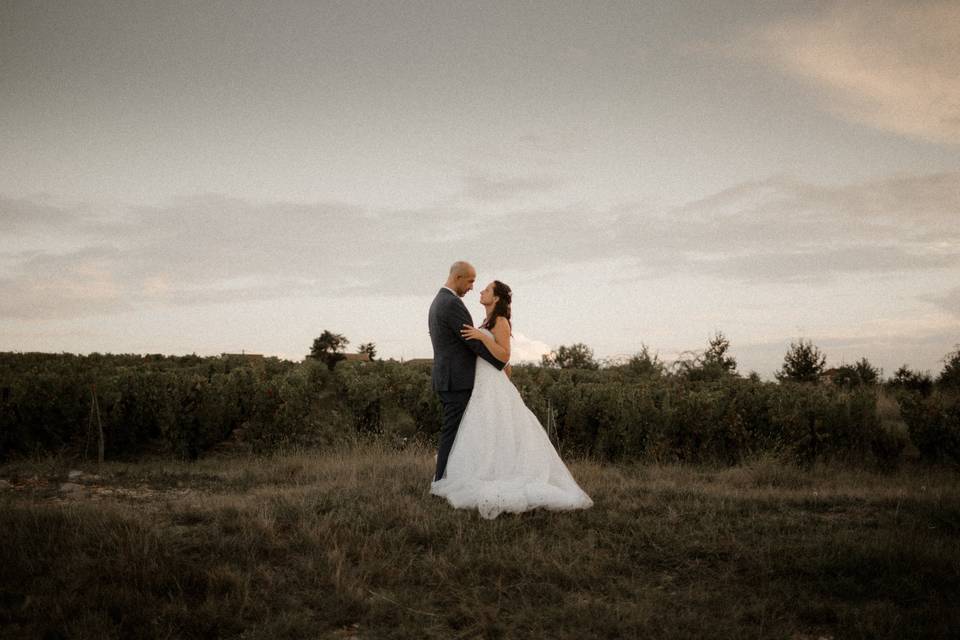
[{"x": 454, "y": 358}]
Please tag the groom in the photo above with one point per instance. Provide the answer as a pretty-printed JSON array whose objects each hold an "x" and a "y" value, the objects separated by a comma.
[{"x": 454, "y": 358}]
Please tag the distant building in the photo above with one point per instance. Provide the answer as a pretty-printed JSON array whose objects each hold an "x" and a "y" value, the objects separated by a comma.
[
  {"x": 839, "y": 375},
  {"x": 248, "y": 356},
  {"x": 256, "y": 359},
  {"x": 349, "y": 357},
  {"x": 428, "y": 361}
]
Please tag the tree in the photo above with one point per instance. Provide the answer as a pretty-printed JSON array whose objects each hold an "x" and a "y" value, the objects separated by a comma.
[
  {"x": 803, "y": 362},
  {"x": 644, "y": 364},
  {"x": 368, "y": 348},
  {"x": 712, "y": 364},
  {"x": 328, "y": 348},
  {"x": 867, "y": 372},
  {"x": 716, "y": 354},
  {"x": 950, "y": 376},
  {"x": 576, "y": 356},
  {"x": 906, "y": 378}
]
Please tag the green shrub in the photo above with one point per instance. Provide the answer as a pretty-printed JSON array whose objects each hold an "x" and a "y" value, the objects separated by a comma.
[
  {"x": 186, "y": 405},
  {"x": 138, "y": 407},
  {"x": 298, "y": 407},
  {"x": 934, "y": 424}
]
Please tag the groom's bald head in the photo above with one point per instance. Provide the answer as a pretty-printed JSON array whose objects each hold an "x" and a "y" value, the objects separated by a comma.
[
  {"x": 460, "y": 268},
  {"x": 461, "y": 277}
]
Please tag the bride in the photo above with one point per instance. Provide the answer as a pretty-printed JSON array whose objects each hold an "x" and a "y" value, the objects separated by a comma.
[{"x": 501, "y": 458}]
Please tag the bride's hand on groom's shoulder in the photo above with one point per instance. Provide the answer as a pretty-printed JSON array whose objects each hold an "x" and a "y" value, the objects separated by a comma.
[{"x": 471, "y": 333}]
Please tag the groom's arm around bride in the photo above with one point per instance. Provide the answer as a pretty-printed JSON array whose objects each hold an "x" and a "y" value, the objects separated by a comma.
[{"x": 454, "y": 357}]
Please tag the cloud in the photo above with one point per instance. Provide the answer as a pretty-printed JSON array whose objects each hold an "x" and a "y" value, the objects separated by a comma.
[
  {"x": 485, "y": 188},
  {"x": 823, "y": 265},
  {"x": 82, "y": 282},
  {"x": 524, "y": 349},
  {"x": 888, "y": 65},
  {"x": 213, "y": 249},
  {"x": 21, "y": 215},
  {"x": 783, "y": 230},
  {"x": 949, "y": 301}
]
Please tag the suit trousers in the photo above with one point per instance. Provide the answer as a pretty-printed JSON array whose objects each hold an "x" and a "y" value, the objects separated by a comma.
[{"x": 454, "y": 404}]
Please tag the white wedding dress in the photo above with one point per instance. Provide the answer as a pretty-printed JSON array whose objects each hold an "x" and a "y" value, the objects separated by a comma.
[{"x": 501, "y": 459}]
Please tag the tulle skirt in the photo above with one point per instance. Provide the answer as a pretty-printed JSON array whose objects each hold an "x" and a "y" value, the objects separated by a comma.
[{"x": 501, "y": 459}]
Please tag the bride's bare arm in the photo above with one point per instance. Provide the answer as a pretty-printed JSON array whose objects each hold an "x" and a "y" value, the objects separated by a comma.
[{"x": 499, "y": 344}]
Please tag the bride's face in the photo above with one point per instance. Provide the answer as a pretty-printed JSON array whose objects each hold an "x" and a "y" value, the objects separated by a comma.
[{"x": 487, "y": 297}]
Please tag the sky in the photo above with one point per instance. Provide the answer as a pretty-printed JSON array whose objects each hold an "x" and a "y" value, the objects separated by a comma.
[{"x": 208, "y": 177}]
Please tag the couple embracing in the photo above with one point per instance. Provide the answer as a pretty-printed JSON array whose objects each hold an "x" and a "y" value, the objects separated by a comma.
[{"x": 494, "y": 456}]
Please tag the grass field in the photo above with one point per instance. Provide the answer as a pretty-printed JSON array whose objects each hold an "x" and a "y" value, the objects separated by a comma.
[{"x": 349, "y": 544}]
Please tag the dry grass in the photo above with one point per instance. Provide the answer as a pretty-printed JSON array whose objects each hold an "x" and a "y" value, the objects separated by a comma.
[{"x": 350, "y": 544}]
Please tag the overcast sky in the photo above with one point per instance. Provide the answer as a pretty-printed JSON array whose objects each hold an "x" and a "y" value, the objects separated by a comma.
[{"x": 208, "y": 177}]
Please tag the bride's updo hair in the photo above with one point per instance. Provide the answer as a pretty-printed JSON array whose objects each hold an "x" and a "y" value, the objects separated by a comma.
[{"x": 502, "y": 306}]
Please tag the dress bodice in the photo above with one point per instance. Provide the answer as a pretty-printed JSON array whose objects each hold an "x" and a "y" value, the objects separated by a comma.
[{"x": 489, "y": 333}]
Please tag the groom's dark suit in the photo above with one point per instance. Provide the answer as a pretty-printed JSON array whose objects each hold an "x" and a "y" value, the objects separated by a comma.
[{"x": 454, "y": 365}]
